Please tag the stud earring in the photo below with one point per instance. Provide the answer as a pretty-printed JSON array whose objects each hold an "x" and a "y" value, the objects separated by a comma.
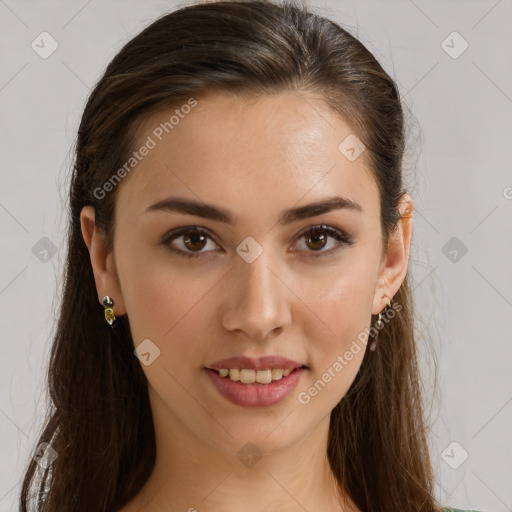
[
  {"x": 379, "y": 324},
  {"x": 108, "y": 304}
]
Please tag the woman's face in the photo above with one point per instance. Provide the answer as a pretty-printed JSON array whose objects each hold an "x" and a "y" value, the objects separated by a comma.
[{"x": 257, "y": 286}]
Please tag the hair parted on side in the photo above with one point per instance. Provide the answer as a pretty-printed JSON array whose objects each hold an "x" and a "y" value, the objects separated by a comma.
[{"x": 100, "y": 423}]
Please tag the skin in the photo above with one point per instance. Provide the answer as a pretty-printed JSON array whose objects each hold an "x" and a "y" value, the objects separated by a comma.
[{"x": 256, "y": 158}]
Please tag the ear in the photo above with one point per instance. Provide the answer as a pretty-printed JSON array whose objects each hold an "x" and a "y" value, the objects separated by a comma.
[
  {"x": 396, "y": 260},
  {"x": 103, "y": 264}
]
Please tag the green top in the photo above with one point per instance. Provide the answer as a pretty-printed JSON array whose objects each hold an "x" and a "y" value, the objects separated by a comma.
[{"x": 450, "y": 509}]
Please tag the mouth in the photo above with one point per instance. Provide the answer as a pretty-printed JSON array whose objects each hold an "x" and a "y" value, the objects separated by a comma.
[{"x": 247, "y": 387}]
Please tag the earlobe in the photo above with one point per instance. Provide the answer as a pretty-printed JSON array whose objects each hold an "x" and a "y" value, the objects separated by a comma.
[
  {"x": 396, "y": 261},
  {"x": 105, "y": 273}
]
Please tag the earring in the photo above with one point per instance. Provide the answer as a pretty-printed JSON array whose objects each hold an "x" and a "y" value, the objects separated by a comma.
[
  {"x": 108, "y": 304},
  {"x": 379, "y": 324}
]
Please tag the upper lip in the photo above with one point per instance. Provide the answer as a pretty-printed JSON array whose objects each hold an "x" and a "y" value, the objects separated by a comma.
[{"x": 259, "y": 363}]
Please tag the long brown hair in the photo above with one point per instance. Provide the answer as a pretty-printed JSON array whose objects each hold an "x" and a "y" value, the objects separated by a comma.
[{"x": 99, "y": 423}]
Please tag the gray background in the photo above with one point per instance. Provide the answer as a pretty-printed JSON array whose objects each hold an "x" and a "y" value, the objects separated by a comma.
[{"x": 459, "y": 173}]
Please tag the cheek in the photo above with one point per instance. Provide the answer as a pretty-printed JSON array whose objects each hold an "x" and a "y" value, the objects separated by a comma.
[
  {"x": 342, "y": 306},
  {"x": 164, "y": 306},
  {"x": 338, "y": 334},
  {"x": 336, "y": 354},
  {"x": 165, "y": 302}
]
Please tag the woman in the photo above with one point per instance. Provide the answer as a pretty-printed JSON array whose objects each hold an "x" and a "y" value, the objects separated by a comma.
[{"x": 236, "y": 329}]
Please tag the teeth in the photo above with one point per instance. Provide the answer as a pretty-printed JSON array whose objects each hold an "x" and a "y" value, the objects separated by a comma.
[
  {"x": 277, "y": 374},
  {"x": 250, "y": 376}
]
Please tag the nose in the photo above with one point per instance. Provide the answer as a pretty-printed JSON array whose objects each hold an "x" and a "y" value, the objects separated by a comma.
[{"x": 257, "y": 305}]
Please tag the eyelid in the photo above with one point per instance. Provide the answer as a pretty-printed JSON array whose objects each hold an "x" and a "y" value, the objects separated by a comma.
[
  {"x": 326, "y": 227},
  {"x": 177, "y": 232}
]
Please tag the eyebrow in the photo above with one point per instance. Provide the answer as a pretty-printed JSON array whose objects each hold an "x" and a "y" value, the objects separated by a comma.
[{"x": 209, "y": 211}]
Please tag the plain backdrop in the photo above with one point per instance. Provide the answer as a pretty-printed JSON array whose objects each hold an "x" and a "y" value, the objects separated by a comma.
[{"x": 452, "y": 61}]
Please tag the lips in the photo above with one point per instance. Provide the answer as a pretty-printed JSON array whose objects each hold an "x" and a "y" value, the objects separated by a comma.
[
  {"x": 255, "y": 394},
  {"x": 261, "y": 363}
]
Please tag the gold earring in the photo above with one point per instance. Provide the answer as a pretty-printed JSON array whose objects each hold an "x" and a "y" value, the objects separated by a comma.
[
  {"x": 379, "y": 324},
  {"x": 108, "y": 304}
]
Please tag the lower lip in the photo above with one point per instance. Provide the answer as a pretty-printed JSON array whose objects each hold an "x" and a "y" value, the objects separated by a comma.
[{"x": 255, "y": 395}]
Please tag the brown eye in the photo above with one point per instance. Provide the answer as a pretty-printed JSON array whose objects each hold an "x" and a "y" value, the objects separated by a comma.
[
  {"x": 316, "y": 239},
  {"x": 192, "y": 239}
]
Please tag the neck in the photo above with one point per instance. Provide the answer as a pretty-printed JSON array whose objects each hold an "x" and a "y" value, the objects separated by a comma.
[{"x": 192, "y": 475}]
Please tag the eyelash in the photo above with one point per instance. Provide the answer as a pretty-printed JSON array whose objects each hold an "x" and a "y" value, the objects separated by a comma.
[{"x": 332, "y": 232}]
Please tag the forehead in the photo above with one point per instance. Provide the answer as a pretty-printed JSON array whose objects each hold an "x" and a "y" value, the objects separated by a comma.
[{"x": 264, "y": 153}]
